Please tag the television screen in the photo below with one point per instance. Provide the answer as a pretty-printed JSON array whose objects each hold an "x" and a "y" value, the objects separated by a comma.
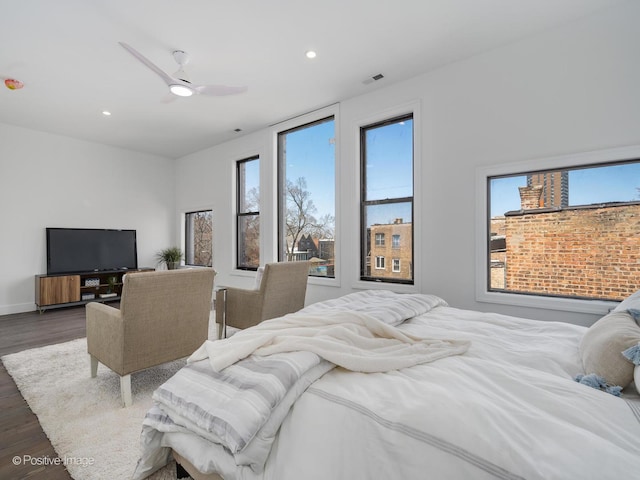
[{"x": 73, "y": 250}]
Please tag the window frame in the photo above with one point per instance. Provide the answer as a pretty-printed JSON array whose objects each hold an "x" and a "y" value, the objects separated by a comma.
[
  {"x": 317, "y": 117},
  {"x": 483, "y": 174},
  {"x": 240, "y": 191},
  {"x": 380, "y": 262},
  {"x": 393, "y": 265},
  {"x": 389, "y": 120},
  {"x": 185, "y": 236}
]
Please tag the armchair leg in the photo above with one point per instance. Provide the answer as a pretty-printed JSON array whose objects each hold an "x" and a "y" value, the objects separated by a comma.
[
  {"x": 125, "y": 390},
  {"x": 94, "y": 366},
  {"x": 219, "y": 331},
  {"x": 181, "y": 473},
  {"x": 222, "y": 328}
]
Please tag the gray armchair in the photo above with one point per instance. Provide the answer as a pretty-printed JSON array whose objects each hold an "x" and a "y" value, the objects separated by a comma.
[
  {"x": 163, "y": 316},
  {"x": 282, "y": 290}
]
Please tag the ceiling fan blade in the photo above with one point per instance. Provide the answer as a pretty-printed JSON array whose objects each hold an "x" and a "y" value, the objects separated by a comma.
[
  {"x": 218, "y": 90},
  {"x": 167, "y": 78}
]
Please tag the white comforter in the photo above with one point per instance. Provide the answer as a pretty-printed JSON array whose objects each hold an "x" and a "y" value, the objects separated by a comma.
[
  {"x": 507, "y": 408},
  {"x": 352, "y": 339}
]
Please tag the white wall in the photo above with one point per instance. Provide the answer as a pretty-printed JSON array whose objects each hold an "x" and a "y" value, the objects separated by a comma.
[
  {"x": 568, "y": 90},
  {"x": 54, "y": 181}
]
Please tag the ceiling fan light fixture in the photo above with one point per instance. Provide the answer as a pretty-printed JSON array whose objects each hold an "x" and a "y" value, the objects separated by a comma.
[{"x": 180, "y": 90}]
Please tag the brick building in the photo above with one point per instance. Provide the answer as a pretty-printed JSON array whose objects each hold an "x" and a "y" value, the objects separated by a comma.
[
  {"x": 590, "y": 251},
  {"x": 391, "y": 250}
]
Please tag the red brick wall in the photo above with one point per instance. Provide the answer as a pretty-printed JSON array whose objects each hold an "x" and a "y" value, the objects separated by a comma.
[{"x": 591, "y": 252}]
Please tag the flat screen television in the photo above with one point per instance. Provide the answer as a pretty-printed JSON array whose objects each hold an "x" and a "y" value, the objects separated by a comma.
[{"x": 74, "y": 250}]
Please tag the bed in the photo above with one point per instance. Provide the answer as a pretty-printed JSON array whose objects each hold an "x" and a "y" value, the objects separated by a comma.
[{"x": 473, "y": 395}]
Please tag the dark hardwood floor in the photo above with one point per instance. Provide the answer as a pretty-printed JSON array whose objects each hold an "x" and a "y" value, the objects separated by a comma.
[{"x": 22, "y": 436}]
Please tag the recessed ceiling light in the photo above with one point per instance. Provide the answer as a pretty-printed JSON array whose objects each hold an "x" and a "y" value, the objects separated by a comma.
[
  {"x": 106, "y": 113},
  {"x": 310, "y": 54}
]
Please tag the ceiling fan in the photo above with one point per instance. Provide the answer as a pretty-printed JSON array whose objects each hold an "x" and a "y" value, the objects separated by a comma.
[{"x": 179, "y": 84}]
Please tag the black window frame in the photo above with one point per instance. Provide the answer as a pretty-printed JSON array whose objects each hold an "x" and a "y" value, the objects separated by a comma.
[
  {"x": 282, "y": 178},
  {"x": 240, "y": 214},
  {"x": 489, "y": 242},
  {"x": 365, "y": 258},
  {"x": 188, "y": 243}
]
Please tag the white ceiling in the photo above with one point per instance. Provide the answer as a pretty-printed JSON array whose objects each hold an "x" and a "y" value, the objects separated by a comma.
[{"x": 66, "y": 53}]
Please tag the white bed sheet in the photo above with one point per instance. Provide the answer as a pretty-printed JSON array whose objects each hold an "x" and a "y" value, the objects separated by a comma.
[{"x": 508, "y": 408}]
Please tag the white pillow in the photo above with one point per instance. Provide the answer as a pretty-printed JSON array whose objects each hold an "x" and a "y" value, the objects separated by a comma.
[
  {"x": 602, "y": 345},
  {"x": 636, "y": 377},
  {"x": 259, "y": 272},
  {"x": 632, "y": 301}
]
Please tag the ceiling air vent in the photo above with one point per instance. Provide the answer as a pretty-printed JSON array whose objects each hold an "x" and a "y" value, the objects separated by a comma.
[{"x": 375, "y": 78}]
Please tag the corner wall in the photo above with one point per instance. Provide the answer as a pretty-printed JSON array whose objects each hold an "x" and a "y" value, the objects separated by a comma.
[{"x": 53, "y": 181}]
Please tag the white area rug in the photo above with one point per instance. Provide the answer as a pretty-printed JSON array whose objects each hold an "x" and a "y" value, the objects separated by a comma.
[{"x": 83, "y": 416}]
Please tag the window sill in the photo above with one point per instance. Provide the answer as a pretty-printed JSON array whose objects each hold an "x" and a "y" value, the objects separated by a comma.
[
  {"x": 596, "y": 307},
  {"x": 394, "y": 287}
]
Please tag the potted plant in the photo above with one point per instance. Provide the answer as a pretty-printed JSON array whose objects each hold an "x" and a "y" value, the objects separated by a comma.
[
  {"x": 171, "y": 257},
  {"x": 112, "y": 282}
]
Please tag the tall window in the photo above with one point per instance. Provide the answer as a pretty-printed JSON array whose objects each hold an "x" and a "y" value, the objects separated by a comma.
[
  {"x": 199, "y": 238},
  {"x": 248, "y": 213},
  {"x": 387, "y": 199},
  {"x": 569, "y": 232},
  {"x": 306, "y": 162}
]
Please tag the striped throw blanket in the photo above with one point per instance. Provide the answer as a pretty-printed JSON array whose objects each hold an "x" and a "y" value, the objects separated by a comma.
[{"x": 237, "y": 391}]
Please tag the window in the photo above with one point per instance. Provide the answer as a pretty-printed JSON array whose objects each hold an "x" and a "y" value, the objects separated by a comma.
[
  {"x": 386, "y": 150},
  {"x": 568, "y": 232},
  {"x": 380, "y": 263},
  {"x": 396, "y": 265},
  {"x": 199, "y": 238},
  {"x": 306, "y": 167},
  {"x": 248, "y": 213}
]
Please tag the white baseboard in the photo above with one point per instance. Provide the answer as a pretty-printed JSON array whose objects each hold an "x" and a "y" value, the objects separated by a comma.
[{"x": 17, "y": 308}]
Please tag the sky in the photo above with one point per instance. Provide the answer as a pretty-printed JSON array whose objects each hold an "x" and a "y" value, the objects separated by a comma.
[
  {"x": 311, "y": 154},
  {"x": 613, "y": 183},
  {"x": 389, "y": 159},
  {"x": 252, "y": 175}
]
